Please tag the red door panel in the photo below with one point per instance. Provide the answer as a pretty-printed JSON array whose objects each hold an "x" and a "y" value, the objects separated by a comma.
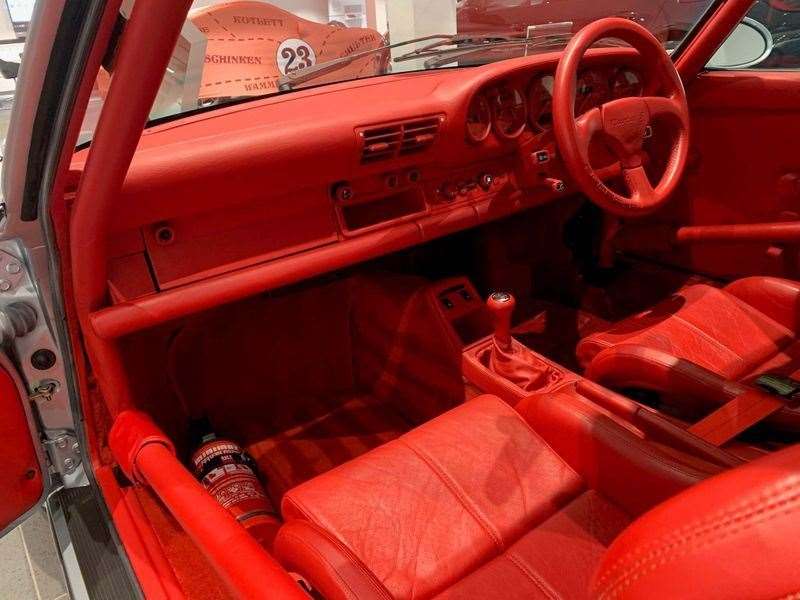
[
  {"x": 744, "y": 168},
  {"x": 20, "y": 474}
]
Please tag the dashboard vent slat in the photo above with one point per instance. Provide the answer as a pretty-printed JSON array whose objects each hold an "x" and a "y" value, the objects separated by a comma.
[{"x": 385, "y": 141}]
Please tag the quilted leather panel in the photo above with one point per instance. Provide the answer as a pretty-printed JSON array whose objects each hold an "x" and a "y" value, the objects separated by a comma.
[
  {"x": 554, "y": 560},
  {"x": 702, "y": 324},
  {"x": 733, "y": 536},
  {"x": 425, "y": 510}
]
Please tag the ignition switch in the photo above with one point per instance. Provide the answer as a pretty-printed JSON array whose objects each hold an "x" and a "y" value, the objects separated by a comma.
[
  {"x": 557, "y": 185},
  {"x": 342, "y": 192}
]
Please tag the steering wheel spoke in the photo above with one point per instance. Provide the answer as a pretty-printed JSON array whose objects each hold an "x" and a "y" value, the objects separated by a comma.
[
  {"x": 587, "y": 126},
  {"x": 612, "y": 171},
  {"x": 659, "y": 106},
  {"x": 639, "y": 186}
]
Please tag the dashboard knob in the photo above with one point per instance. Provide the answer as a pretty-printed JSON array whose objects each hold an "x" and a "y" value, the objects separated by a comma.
[
  {"x": 449, "y": 190},
  {"x": 485, "y": 181},
  {"x": 391, "y": 181},
  {"x": 343, "y": 192}
]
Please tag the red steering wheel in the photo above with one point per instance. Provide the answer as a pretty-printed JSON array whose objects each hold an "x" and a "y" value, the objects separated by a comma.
[{"x": 622, "y": 123}]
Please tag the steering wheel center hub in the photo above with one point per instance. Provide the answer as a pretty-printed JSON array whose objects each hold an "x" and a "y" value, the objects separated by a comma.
[{"x": 625, "y": 122}]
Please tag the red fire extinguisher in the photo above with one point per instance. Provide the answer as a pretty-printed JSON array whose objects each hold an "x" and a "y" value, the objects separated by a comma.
[{"x": 229, "y": 474}]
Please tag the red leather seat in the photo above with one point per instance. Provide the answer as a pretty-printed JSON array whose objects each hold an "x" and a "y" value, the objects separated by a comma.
[
  {"x": 732, "y": 536},
  {"x": 476, "y": 504},
  {"x": 738, "y": 332}
]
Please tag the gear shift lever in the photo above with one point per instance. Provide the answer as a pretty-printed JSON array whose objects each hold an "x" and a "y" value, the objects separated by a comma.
[
  {"x": 501, "y": 306},
  {"x": 508, "y": 358}
]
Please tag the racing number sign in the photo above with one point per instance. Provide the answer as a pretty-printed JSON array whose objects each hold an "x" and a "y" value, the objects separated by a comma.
[{"x": 293, "y": 55}]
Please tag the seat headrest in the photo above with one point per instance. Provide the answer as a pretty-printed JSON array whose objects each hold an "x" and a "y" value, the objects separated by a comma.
[{"x": 733, "y": 536}]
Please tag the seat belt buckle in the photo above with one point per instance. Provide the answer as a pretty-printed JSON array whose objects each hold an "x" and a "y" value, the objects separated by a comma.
[{"x": 781, "y": 386}]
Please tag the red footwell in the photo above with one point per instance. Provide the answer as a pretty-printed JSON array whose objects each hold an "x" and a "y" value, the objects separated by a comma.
[{"x": 321, "y": 434}]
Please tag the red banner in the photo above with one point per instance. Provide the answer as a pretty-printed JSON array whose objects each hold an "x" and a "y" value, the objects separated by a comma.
[{"x": 251, "y": 44}]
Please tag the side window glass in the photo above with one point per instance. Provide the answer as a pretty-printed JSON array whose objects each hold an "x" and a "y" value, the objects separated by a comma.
[{"x": 768, "y": 38}]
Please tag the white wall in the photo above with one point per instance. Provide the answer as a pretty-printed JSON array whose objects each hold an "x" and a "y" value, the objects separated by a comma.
[
  {"x": 376, "y": 16},
  {"x": 6, "y": 26},
  {"x": 410, "y": 19}
]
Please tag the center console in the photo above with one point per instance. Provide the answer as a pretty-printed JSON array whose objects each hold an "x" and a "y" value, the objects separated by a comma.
[
  {"x": 502, "y": 365},
  {"x": 495, "y": 362}
]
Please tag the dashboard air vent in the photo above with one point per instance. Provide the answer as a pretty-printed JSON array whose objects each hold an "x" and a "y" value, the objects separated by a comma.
[{"x": 389, "y": 140}]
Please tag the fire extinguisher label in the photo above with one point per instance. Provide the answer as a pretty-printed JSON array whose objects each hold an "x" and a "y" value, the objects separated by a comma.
[{"x": 224, "y": 470}]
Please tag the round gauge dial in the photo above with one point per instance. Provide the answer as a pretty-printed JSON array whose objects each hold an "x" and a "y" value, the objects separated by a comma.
[
  {"x": 590, "y": 92},
  {"x": 540, "y": 102},
  {"x": 626, "y": 83},
  {"x": 479, "y": 119},
  {"x": 509, "y": 112}
]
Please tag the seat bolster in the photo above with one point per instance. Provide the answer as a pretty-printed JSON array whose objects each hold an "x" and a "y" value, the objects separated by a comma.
[
  {"x": 733, "y": 536},
  {"x": 589, "y": 347},
  {"x": 638, "y": 366},
  {"x": 328, "y": 565},
  {"x": 716, "y": 329},
  {"x": 613, "y": 458},
  {"x": 777, "y": 298},
  {"x": 687, "y": 384}
]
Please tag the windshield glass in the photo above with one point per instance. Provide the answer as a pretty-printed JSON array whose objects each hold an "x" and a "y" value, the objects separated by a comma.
[{"x": 229, "y": 50}]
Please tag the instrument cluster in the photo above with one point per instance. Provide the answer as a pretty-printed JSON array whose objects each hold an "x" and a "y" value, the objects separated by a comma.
[{"x": 509, "y": 108}]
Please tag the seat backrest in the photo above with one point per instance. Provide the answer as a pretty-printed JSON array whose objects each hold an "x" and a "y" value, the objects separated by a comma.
[
  {"x": 733, "y": 536},
  {"x": 701, "y": 324}
]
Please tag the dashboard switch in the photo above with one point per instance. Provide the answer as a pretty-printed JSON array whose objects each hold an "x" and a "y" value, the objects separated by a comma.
[
  {"x": 485, "y": 181},
  {"x": 391, "y": 181},
  {"x": 541, "y": 156}
]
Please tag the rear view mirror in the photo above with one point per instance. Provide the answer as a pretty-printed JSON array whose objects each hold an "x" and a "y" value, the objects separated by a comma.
[{"x": 749, "y": 44}]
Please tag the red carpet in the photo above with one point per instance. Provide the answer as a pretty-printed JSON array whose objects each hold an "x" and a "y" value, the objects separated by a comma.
[{"x": 331, "y": 432}]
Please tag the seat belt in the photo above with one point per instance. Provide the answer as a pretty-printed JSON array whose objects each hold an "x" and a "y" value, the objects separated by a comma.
[{"x": 774, "y": 392}]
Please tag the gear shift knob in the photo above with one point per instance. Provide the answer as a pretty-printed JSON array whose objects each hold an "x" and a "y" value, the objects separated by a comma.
[{"x": 501, "y": 306}]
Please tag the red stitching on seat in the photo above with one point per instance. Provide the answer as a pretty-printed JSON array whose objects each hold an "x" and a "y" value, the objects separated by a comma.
[
  {"x": 537, "y": 581},
  {"x": 459, "y": 494},
  {"x": 691, "y": 538},
  {"x": 351, "y": 557},
  {"x": 682, "y": 532}
]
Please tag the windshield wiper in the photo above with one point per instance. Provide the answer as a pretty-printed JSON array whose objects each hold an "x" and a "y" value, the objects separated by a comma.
[
  {"x": 535, "y": 36},
  {"x": 444, "y": 56},
  {"x": 290, "y": 80}
]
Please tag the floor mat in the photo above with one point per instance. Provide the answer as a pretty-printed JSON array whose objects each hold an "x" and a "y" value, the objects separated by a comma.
[
  {"x": 317, "y": 435},
  {"x": 314, "y": 377}
]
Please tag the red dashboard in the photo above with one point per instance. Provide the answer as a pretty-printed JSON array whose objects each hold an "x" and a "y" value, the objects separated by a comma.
[{"x": 230, "y": 202}]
